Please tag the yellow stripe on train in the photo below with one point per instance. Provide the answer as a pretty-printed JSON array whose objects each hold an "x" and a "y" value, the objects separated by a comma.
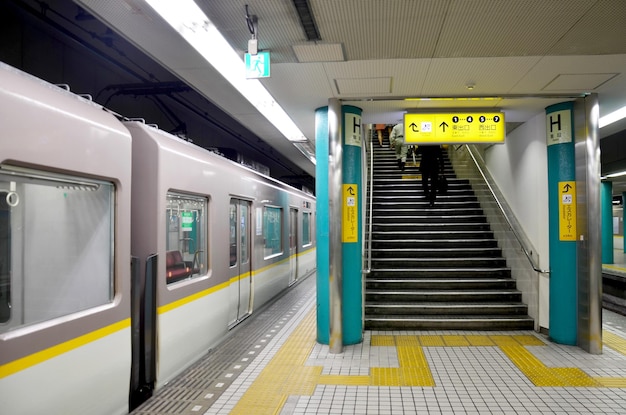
[{"x": 54, "y": 351}]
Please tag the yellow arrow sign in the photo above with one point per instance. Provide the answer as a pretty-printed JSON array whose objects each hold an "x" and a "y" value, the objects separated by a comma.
[
  {"x": 350, "y": 224},
  {"x": 450, "y": 128},
  {"x": 567, "y": 211}
]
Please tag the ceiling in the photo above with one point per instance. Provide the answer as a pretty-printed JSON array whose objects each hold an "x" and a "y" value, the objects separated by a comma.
[{"x": 373, "y": 54}]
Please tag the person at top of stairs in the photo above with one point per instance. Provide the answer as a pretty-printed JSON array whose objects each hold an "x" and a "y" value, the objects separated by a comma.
[
  {"x": 379, "y": 130},
  {"x": 431, "y": 164},
  {"x": 397, "y": 142}
]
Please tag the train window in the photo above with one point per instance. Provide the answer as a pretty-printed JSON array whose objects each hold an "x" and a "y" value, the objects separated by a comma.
[
  {"x": 272, "y": 231},
  {"x": 186, "y": 239},
  {"x": 306, "y": 228},
  {"x": 244, "y": 218},
  {"x": 56, "y": 245},
  {"x": 239, "y": 225},
  {"x": 233, "y": 233}
]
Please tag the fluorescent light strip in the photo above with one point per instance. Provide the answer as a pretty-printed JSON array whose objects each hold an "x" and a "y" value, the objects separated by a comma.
[
  {"x": 618, "y": 174},
  {"x": 612, "y": 117},
  {"x": 196, "y": 28}
]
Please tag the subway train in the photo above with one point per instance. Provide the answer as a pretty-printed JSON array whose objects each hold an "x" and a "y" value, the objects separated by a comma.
[{"x": 125, "y": 253}]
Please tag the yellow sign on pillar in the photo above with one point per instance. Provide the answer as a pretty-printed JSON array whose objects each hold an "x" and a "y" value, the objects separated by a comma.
[
  {"x": 350, "y": 223},
  {"x": 567, "y": 211}
]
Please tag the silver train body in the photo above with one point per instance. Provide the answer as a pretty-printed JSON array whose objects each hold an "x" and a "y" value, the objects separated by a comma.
[{"x": 82, "y": 197}]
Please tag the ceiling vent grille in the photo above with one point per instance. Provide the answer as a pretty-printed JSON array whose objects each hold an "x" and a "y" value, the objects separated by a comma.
[{"x": 307, "y": 20}]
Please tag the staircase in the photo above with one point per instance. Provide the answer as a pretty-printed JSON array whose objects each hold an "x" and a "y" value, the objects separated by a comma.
[{"x": 434, "y": 267}]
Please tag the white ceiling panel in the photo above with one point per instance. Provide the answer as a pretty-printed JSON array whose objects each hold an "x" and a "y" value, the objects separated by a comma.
[
  {"x": 382, "y": 29},
  {"x": 363, "y": 87},
  {"x": 485, "y": 28},
  {"x": 490, "y": 76},
  {"x": 319, "y": 52},
  {"x": 580, "y": 81},
  {"x": 588, "y": 36}
]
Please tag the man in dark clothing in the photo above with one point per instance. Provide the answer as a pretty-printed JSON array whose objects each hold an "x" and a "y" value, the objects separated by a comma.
[{"x": 430, "y": 165}]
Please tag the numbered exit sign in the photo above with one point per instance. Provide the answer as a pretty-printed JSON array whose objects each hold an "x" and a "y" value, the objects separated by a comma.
[{"x": 454, "y": 127}]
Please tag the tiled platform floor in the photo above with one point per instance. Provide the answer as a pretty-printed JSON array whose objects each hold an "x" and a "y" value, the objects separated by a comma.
[{"x": 285, "y": 371}]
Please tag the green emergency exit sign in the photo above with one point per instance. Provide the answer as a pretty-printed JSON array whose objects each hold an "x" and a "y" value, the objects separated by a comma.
[{"x": 258, "y": 66}]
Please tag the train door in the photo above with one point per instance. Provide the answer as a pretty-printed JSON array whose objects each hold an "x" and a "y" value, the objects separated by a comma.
[
  {"x": 293, "y": 245},
  {"x": 240, "y": 267},
  {"x": 5, "y": 256}
]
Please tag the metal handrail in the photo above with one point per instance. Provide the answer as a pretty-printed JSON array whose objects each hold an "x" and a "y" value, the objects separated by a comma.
[
  {"x": 370, "y": 183},
  {"x": 506, "y": 217}
]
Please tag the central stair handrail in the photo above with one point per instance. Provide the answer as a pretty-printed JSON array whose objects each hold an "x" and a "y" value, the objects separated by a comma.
[
  {"x": 504, "y": 214},
  {"x": 368, "y": 190}
]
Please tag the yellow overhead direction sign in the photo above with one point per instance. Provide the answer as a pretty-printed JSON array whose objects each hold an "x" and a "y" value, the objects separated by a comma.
[{"x": 454, "y": 127}]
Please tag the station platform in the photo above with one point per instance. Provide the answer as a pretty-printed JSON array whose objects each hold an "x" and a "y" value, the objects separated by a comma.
[
  {"x": 618, "y": 267},
  {"x": 272, "y": 364}
]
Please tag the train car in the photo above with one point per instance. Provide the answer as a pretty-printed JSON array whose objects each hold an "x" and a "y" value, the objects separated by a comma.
[
  {"x": 218, "y": 240},
  {"x": 82, "y": 197},
  {"x": 65, "y": 198}
]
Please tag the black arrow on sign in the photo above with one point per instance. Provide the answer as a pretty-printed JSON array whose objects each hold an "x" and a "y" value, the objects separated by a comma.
[
  {"x": 414, "y": 127},
  {"x": 443, "y": 125},
  {"x": 566, "y": 188},
  {"x": 351, "y": 191}
]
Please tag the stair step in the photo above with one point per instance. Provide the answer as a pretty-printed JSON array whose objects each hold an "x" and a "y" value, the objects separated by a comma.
[
  {"x": 447, "y": 202},
  {"x": 416, "y": 195},
  {"x": 438, "y": 210},
  {"x": 453, "y": 309},
  {"x": 449, "y": 252},
  {"x": 393, "y": 227},
  {"x": 439, "y": 283},
  {"x": 445, "y": 235},
  {"x": 434, "y": 243},
  {"x": 402, "y": 263},
  {"x": 467, "y": 272},
  {"x": 459, "y": 322},
  {"x": 431, "y": 218},
  {"x": 477, "y": 296}
]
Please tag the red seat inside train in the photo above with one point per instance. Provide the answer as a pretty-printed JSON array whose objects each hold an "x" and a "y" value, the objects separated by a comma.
[{"x": 176, "y": 267}]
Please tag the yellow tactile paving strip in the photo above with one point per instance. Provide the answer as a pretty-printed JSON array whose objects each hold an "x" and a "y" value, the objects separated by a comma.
[
  {"x": 618, "y": 344},
  {"x": 286, "y": 374},
  {"x": 614, "y": 341}
]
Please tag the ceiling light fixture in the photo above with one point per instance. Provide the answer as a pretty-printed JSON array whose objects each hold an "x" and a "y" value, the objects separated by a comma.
[
  {"x": 612, "y": 175},
  {"x": 195, "y": 27},
  {"x": 612, "y": 117}
]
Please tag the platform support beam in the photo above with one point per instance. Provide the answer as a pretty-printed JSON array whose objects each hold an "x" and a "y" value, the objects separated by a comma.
[
  {"x": 339, "y": 236},
  {"x": 562, "y": 222},
  {"x": 575, "y": 223},
  {"x": 606, "y": 201},
  {"x": 589, "y": 254}
]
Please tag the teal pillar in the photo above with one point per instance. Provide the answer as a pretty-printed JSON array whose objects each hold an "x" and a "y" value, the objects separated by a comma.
[
  {"x": 623, "y": 223},
  {"x": 322, "y": 225},
  {"x": 562, "y": 246},
  {"x": 606, "y": 204},
  {"x": 351, "y": 226}
]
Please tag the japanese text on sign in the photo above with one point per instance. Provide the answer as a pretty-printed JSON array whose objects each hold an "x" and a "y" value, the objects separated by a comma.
[
  {"x": 559, "y": 127},
  {"x": 350, "y": 222},
  {"x": 567, "y": 211},
  {"x": 448, "y": 128}
]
